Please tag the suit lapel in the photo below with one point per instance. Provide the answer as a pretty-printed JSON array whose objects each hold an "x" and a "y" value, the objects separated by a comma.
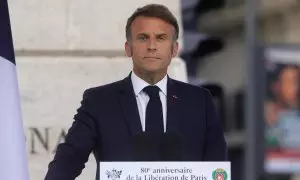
[
  {"x": 129, "y": 106},
  {"x": 173, "y": 106}
]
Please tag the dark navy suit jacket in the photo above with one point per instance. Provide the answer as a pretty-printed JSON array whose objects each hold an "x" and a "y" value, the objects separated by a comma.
[{"x": 108, "y": 119}]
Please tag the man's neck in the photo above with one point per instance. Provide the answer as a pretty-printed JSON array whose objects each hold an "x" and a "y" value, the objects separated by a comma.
[{"x": 151, "y": 78}]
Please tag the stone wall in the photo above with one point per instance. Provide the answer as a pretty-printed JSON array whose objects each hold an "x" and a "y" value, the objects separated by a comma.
[
  {"x": 63, "y": 48},
  {"x": 51, "y": 91}
]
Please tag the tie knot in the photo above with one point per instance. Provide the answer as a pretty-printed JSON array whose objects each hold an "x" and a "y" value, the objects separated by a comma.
[{"x": 152, "y": 91}]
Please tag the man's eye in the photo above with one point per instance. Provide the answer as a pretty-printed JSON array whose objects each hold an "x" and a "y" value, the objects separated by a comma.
[{"x": 142, "y": 38}]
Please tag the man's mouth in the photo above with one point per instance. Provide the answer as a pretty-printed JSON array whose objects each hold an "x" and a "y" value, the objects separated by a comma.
[{"x": 150, "y": 57}]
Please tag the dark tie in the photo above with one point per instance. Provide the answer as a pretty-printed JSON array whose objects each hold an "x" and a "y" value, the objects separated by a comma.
[{"x": 154, "y": 113}]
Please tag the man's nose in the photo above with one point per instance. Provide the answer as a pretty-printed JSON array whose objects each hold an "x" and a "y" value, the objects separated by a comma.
[{"x": 152, "y": 45}]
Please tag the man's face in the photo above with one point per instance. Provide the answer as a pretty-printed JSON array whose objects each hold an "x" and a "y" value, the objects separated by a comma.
[
  {"x": 152, "y": 45},
  {"x": 289, "y": 85}
]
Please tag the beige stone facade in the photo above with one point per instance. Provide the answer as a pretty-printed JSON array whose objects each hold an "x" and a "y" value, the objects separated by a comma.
[{"x": 63, "y": 48}]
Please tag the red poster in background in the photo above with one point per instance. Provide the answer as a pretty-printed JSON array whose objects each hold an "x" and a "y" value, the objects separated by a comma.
[{"x": 282, "y": 110}]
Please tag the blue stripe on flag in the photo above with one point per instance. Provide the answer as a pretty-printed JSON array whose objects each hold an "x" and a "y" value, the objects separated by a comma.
[{"x": 6, "y": 43}]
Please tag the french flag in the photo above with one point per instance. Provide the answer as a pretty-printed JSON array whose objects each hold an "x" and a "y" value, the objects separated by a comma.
[{"x": 13, "y": 156}]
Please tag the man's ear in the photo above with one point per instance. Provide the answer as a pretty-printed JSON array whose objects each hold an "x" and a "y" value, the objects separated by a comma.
[
  {"x": 128, "y": 49},
  {"x": 175, "y": 49}
]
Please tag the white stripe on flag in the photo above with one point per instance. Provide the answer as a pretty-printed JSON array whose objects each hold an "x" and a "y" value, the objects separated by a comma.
[{"x": 13, "y": 156}]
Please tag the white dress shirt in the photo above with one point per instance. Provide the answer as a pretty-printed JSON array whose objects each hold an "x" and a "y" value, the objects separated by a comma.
[{"x": 142, "y": 98}]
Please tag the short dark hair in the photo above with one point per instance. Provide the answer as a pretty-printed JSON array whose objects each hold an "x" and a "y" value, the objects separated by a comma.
[{"x": 156, "y": 11}]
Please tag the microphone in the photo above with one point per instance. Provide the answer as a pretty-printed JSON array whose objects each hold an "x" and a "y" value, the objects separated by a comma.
[
  {"x": 144, "y": 147},
  {"x": 171, "y": 147}
]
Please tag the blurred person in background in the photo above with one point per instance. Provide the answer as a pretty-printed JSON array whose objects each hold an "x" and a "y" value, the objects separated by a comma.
[
  {"x": 282, "y": 113},
  {"x": 148, "y": 101}
]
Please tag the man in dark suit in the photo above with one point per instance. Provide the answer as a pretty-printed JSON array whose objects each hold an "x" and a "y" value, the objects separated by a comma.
[{"x": 147, "y": 100}]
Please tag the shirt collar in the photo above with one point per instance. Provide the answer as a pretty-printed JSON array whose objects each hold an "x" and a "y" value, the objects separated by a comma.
[{"x": 139, "y": 84}]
